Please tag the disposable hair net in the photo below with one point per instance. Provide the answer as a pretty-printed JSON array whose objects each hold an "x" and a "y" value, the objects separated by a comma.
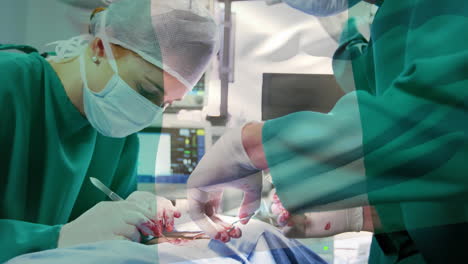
[{"x": 178, "y": 36}]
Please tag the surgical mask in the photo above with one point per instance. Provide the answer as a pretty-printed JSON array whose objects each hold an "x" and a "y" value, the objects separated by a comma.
[
  {"x": 321, "y": 7},
  {"x": 118, "y": 110}
]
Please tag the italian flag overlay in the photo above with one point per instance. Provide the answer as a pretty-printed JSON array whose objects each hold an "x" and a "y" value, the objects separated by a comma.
[{"x": 394, "y": 146}]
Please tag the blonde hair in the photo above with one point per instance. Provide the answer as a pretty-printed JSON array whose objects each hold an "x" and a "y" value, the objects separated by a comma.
[{"x": 68, "y": 50}]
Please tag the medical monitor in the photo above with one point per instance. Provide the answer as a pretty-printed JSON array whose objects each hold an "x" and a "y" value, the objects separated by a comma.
[
  {"x": 173, "y": 158},
  {"x": 284, "y": 94}
]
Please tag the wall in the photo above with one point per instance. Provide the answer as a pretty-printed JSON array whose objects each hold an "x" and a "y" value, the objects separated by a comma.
[
  {"x": 37, "y": 23},
  {"x": 276, "y": 39},
  {"x": 280, "y": 39}
]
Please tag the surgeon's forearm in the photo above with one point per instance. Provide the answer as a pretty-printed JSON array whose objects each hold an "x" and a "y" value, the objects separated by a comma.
[
  {"x": 20, "y": 237},
  {"x": 371, "y": 219},
  {"x": 252, "y": 142}
]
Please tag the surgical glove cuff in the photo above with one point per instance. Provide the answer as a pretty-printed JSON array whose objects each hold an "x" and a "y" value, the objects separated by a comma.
[
  {"x": 239, "y": 150},
  {"x": 355, "y": 219}
]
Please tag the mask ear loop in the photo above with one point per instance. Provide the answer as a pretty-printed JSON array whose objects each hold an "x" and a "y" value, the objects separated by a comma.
[
  {"x": 105, "y": 42},
  {"x": 83, "y": 71}
]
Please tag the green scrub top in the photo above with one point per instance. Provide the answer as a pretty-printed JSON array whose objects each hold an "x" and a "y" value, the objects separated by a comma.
[
  {"x": 48, "y": 151},
  {"x": 398, "y": 143}
]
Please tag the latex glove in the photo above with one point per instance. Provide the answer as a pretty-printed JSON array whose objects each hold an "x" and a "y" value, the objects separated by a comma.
[
  {"x": 225, "y": 165},
  {"x": 115, "y": 220},
  {"x": 277, "y": 209},
  {"x": 317, "y": 224},
  {"x": 162, "y": 210}
]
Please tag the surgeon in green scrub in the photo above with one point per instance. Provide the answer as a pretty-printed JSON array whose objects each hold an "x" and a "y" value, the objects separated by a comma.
[
  {"x": 74, "y": 116},
  {"x": 391, "y": 157}
]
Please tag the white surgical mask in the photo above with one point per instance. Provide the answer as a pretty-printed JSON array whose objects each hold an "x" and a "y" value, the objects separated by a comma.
[{"x": 118, "y": 110}]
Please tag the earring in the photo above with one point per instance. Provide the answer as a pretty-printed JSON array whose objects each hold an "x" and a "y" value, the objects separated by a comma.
[{"x": 95, "y": 60}]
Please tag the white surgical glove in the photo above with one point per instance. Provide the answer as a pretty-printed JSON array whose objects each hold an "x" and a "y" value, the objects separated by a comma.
[
  {"x": 115, "y": 220},
  {"x": 225, "y": 165},
  {"x": 317, "y": 224},
  {"x": 161, "y": 209}
]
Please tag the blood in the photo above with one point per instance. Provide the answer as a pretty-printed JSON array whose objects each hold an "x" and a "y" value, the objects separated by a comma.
[{"x": 328, "y": 226}]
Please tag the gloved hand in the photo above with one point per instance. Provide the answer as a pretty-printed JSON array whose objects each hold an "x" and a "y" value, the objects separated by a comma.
[
  {"x": 116, "y": 220},
  {"x": 317, "y": 224},
  {"x": 226, "y": 165},
  {"x": 161, "y": 209}
]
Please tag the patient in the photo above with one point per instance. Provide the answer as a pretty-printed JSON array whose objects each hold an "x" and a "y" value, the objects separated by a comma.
[{"x": 260, "y": 243}]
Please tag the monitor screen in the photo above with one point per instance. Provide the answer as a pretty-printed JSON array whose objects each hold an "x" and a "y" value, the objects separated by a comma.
[
  {"x": 173, "y": 158},
  {"x": 284, "y": 93}
]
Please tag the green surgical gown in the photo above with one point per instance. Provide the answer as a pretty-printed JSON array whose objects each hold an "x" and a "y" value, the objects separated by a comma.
[
  {"x": 48, "y": 151},
  {"x": 398, "y": 143}
]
